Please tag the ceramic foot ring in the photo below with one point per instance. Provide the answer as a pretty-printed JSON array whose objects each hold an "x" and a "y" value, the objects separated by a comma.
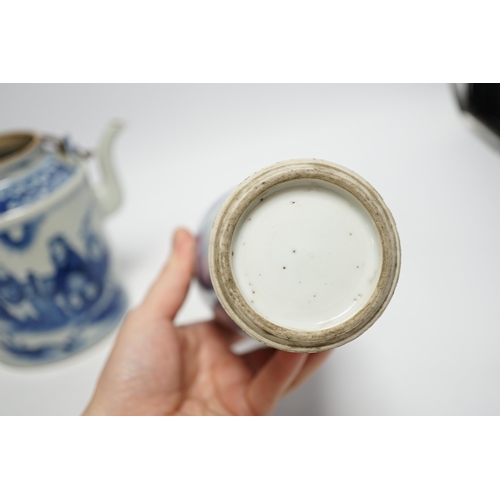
[{"x": 304, "y": 256}]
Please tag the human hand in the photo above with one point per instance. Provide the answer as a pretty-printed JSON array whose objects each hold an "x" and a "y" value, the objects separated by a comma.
[{"x": 158, "y": 368}]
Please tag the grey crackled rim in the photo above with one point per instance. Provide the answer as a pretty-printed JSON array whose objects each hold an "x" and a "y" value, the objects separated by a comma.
[{"x": 232, "y": 300}]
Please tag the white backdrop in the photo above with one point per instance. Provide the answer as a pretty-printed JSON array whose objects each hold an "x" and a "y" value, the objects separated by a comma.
[{"x": 436, "y": 348}]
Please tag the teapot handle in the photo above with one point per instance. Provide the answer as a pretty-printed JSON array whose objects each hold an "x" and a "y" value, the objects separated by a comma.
[{"x": 108, "y": 190}]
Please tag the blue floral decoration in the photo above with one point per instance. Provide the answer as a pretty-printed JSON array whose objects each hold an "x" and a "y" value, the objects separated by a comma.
[
  {"x": 21, "y": 236},
  {"x": 35, "y": 186}
]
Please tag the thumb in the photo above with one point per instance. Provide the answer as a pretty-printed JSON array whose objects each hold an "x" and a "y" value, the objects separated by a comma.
[{"x": 168, "y": 293}]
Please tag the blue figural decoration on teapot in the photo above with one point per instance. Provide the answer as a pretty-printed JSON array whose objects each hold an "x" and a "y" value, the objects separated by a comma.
[{"x": 58, "y": 294}]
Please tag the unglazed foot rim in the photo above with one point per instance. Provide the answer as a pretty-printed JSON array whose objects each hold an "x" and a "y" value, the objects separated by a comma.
[{"x": 221, "y": 271}]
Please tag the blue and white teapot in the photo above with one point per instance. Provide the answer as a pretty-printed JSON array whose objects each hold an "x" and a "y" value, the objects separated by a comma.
[{"x": 58, "y": 294}]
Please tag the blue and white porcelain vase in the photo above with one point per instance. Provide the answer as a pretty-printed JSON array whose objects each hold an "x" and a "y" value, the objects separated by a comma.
[
  {"x": 58, "y": 294},
  {"x": 303, "y": 256}
]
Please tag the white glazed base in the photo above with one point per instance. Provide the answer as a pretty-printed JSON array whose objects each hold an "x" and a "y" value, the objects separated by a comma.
[{"x": 306, "y": 255}]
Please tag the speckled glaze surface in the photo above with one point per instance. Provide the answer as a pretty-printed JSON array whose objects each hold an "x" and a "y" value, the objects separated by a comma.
[
  {"x": 58, "y": 294},
  {"x": 303, "y": 256}
]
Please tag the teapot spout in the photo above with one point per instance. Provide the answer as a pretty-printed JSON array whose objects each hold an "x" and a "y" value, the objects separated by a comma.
[{"x": 108, "y": 191}]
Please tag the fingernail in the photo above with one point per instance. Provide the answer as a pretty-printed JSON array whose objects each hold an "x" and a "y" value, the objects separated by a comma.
[{"x": 181, "y": 236}]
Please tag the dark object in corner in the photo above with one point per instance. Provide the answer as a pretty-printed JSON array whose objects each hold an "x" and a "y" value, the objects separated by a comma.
[{"x": 482, "y": 101}]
